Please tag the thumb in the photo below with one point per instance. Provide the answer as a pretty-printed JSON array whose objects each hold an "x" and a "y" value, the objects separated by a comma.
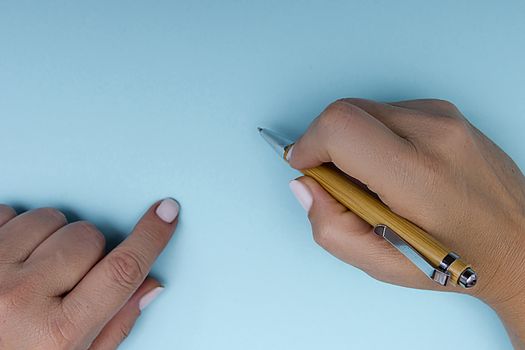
[
  {"x": 119, "y": 327},
  {"x": 351, "y": 239}
]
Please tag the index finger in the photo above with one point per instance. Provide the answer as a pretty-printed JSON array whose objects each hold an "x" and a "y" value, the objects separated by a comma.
[
  {"x": 110, "y": 283},
  {"x": 357, "y": 143}
]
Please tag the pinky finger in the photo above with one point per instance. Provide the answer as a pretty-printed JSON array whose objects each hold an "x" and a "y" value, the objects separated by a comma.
[{"x": 120, "y": 326}]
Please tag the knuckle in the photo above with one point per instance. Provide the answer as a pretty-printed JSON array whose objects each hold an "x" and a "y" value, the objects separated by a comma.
[
  {"x": 125, "y": 269},
  {"x": 352, "y": 100},
  {"x": 123, "y": 332},
  {"x": 323, "y": 237},
  {"x": 445, "y": 108},
  {"x": 51, "y": 213},
  {"x": 92, "y": 234},
  {"x": 443, "y": 105},
  {"x": 337, "y": 115},
  {"x": 7, "y": 210},
  {"x": 336, "y": 109},
  {"x": 455, "y": 131},
  {"x": 12, "y": 257}
]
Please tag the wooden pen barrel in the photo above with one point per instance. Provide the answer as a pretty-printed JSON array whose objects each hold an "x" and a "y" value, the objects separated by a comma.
[{"x": 375, "y": 212}]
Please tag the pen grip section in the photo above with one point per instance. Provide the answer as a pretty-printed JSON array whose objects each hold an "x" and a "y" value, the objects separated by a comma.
[{"x": 373, "y": 211}]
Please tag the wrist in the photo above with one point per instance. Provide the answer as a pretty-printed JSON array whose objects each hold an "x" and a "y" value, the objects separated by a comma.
[
  {"x": 512, "y": 315},
  {"x": 505, "y": 293}
]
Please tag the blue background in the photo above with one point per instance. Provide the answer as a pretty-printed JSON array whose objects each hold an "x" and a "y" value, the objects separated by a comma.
[{"x": 106, "y": 106}]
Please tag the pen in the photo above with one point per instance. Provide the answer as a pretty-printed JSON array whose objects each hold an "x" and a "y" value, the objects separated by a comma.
[{"x": 434, "y": 259}]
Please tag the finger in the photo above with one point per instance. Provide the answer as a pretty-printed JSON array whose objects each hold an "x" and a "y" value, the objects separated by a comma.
[
  {"x": 78, "y": 246},
  {"x": 21, "y": 235},
  {"x": 414, "y": 125},
  {"x": 359, "y": 144},
  {"x": 414, "y": 119},
  {"x": 432, "y": 106},
  {"x": 111, "y": 282},
  {"x": 118, "y": 329},
  {"x": 349, "y": 238},
  {"x": 6, "y": 214},
  {"x": 403, "y": 121}
]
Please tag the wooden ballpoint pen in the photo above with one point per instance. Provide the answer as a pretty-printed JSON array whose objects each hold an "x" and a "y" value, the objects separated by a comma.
[{"x": 433, "y": 258}]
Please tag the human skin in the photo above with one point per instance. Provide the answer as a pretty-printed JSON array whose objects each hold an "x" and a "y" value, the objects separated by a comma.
[
  {"x": 59, "y": 291},
  {"x": 430, "y": 165}
]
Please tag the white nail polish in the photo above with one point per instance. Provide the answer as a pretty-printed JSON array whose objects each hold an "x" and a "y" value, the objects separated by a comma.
[
  {"x": 289, "y": 153},
  {"x": 149, "y": 297},
  {"x": 168, "y": 210},
  {"x": 302, "y": 193}
]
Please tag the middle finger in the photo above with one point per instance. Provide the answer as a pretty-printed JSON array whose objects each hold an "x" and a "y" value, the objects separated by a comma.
[{"x": 63, "y": 259}]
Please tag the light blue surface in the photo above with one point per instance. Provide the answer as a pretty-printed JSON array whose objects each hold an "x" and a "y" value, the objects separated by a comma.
[{"x": 106, "y": 106}]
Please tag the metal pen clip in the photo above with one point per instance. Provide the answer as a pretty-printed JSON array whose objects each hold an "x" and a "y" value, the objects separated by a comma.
[{"x": 439, "y": 274}]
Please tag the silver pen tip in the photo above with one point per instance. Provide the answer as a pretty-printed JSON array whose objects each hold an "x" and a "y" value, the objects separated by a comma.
[
  {"x": 275, "y": 140},
  {"x": 259, "y": 129}
]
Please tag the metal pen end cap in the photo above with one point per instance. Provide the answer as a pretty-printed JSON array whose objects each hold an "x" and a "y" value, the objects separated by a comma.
[{"x": 468, "y": 278}]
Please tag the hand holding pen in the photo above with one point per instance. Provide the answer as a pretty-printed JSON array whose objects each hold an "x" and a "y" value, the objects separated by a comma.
[{"x": 428, "y": 164}]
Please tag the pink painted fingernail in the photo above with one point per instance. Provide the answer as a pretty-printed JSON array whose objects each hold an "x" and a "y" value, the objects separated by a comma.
[
  {"x": 168, "y": 210},
  {"x": 302, "y": 193},
  {"x": 149, "y": 297},
  {"x": 289, "y": 153}
]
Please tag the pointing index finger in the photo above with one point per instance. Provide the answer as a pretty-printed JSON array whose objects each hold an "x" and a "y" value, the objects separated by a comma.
[{"x": 110, "y": 283}]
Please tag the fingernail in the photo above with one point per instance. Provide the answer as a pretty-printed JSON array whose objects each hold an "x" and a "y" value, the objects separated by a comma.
[
  {"x": 149, "y": 297},
  {"x": 168, "y": 210},
  {"x": 289, "y": 153},
  {"x": 302, "y": 193}
]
